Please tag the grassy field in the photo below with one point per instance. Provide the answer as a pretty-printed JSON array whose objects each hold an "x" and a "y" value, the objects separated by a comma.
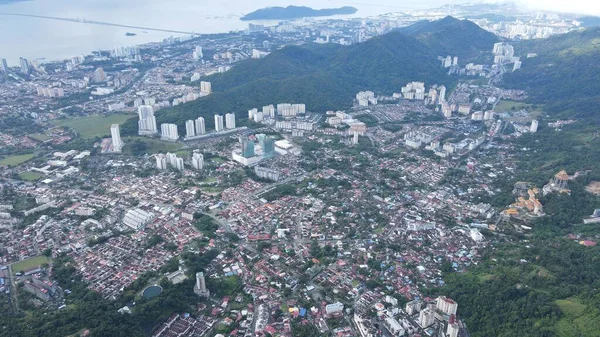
[
  {"x": 16, "y": 160},
  {"x": 30, "y": 176},
  {"x": 93, "y": 126},
  {"x": 504, "y": 106},
  {"x": 40, "y": 136},
  {"x": 30, "y": 263},
  {"x": 148, "y": 145}
]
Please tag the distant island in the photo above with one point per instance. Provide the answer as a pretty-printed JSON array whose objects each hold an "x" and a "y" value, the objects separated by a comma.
[
  {"x": 295, "y": 12},
  {"x": 130, "y": 34}
]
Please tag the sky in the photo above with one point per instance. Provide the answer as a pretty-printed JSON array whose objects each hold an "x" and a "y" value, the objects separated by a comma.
[{"x": 590, "y": 7}]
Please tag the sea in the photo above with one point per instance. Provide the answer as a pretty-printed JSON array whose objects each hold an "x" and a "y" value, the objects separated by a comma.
[{"x": 49, "y": 40}]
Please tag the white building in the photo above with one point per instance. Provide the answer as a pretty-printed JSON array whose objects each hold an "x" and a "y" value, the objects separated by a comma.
[
  {"x": 147, "y": 121},
  {"x": 115, "y": 134},
  {"x": 394, "y": 328},
  {"x": 161, "y": 161},
  {"x": 205, "y": 88},
  {"x": 175, "y": 161},
  {"x": 426, "y": 317},
  {"x": 446, "y": 305},
  {"x": 190, "y": 129},
  {"x": 200, "y": 126},
  {"x": 442, "y": 98},
  {"x": 200, "y": 286},
  {"x": 218, "y": 123},
  {"x": 137, "y": 218},
  {"x": 269, "y": 110},
  {"x": 534, "y": 126},
  {"x": 230, "y": 121},
  {"x": 169, "y": 132},
  {"x": 198, "y": 161},
  {"x": 333, "y": 308}
]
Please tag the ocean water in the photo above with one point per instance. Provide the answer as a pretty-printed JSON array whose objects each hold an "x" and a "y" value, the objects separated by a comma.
[{"x": 37, "y": 38}]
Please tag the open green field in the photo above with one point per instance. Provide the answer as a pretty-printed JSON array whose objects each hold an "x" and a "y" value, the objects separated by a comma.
[
  {"x": 30, "y": 263},
  {"x": 505, "y": 106},
  {"x": 16, "y": 160},
  {"x": 40, "y": 136},
  {"x": 142, "y": 145},
  {"x": 93, "y": 126},
  {"x": 30, "y": 176}
]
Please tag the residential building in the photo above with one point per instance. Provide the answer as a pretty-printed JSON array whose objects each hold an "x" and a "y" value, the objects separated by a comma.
[
  {"x": 218, "y": 123},
  {"x": 24, "y": 65},
  {"x": 200, "y": 126},
  {"x": 230, "y": 121},
  {"x": 169, "y": 132},
  {"x": 190, "y": 129},
  {"x": 147, "y": 120},
  {"x": 200, "y": 286},
  {"x": 197, "y": 161},
  {"x": 115, "y": 133},
  {"x": 99, "y": 75}
]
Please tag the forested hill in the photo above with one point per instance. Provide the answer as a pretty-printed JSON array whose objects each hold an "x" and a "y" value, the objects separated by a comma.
[
  {"x": 451, "y": 36},
  {"x": 565, "y": 75},
  {"x": 324, "y": 77}
]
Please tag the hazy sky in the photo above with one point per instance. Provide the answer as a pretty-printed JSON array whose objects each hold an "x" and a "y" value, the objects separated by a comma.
[{"x": 591, "y": 7}]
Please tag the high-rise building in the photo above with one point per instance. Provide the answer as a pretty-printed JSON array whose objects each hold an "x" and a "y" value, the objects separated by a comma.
[
  {"x": 147, "y": 121},
  {"x": 426, "y": 318},
  {"x": 200, "y": 126},
  {"x": 200, "y": 286},
  {"x": 218, "y": 123},
  {"x": 161, "y": 161},
  {"x": 4, "y": 66},
  {"x": 197, "y": 53},
  {"x": 355, "y": 138},
  {"x": 175, "y": 161},
  {"x": 24, "y": 65},
  {"x": 198, "y": 161},
  {"x": 446, "y": 305},
  {"x": 169, "y": 131},
  {"x": 230, "y": 121},
  {"x": 534, "y": 126},
  {"x": 247, "y": 147},
  {"x": 190, "y": 129},
  {"x": 99, "y": 75},
  {"x": 268, "y": 145},
  {"x": 115, "y": 133},
  {"x": 269, "y": 110},
  {"x": 205, "y": 88},
  {"x": 442, "y": 98}
]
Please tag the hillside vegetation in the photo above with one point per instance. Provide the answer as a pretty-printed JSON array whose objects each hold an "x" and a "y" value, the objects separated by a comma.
[
  {"x": 564, "y": 76},
  {"x": 326, "y": 77},
  {"x": 450, "y": 36}
]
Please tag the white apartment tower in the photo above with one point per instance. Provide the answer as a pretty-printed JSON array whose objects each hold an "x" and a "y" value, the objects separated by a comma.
[
  {"x": 230, "y": 121},
  {"x": 115, "y": 134},
  {"x": 218, "y": 123},
  {"x": 200, "y": 286},
  {"x": 200, "y": 126},
  {"x": 147, "y": 121},
  {"x": 442, "y": 98},
  {"x": 161, "y": 161},
  {"x": 169, "y": 131},
  {"x": 205, "y": 88},
  {"x": 534, "y": 126},
  {"x": 198, "y": 161},
  {"x": 190, "y": 130}
]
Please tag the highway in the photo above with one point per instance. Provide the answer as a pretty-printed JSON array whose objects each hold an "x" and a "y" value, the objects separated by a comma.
[{"x": 82, "y": 20}]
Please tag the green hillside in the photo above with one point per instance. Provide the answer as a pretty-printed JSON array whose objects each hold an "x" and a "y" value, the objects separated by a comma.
[
  {"x": 324, "y": 77},
  {"x": 450, "y": 36},
  {"x": 564, "y": 75}
]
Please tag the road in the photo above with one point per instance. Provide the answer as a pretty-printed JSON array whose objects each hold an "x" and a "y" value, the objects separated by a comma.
[{"x": 82, "y": 20}]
